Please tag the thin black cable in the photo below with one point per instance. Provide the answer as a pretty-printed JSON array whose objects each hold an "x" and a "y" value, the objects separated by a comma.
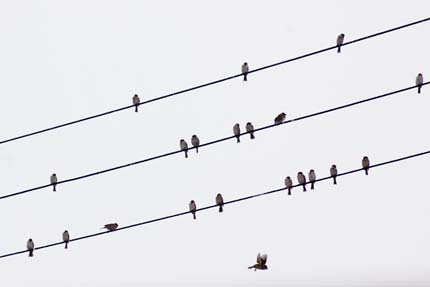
[
  {"x": 214, "y": 206},
  {"x": 209, "y": 143},
  {"x": 212, "y": 83}
]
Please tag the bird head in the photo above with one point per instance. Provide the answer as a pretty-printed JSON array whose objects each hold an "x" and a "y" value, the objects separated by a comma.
[{"x": 333, "y": 166}]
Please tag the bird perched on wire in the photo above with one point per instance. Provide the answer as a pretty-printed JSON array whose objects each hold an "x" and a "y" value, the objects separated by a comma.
[
  {"x": 280, "y": 118},
  {"x": 219, "y": 201},
  {"x": 261, "y": 262},
  {"x": 419, "y": 80},
  {"x": 136, "y": 102},
  {"x": 66, "y": 238},
  {"x": 195, "y": 142},
  {"x": 250, "y": 129},
  {"x": 333, "y": 173},
  {"x": 312, "y": 177},
  {"x": 54, "y": 181},
  {"x": 245, "y": 70},
  {"x": 110, "y": 226},
  {"x": 301, "y": 179},
  {"x": 339, "y": 41},
  {"x": 365, "y": 162},
  {"x": 288, "y": 184},
  {"x": 184, "y": 147},
  {"x": 30, "y": 247},
  {"x": 193, "y": 208},
  {"x": 236, "y": 132}
]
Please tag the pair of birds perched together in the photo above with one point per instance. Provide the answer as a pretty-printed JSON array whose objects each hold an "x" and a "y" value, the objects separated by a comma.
[
  {"x": 195, "y": 141},
  {"x": 218, "y": 199},
  {"x": 66, "y": 238},
  {"x": 365, "y": 162}
]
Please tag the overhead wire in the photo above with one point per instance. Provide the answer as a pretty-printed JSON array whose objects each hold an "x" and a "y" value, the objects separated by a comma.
[
  {"x": 215, "y": 205},
  {"x": 210, "y": 143},
  {"x": 211, "y": 83}
]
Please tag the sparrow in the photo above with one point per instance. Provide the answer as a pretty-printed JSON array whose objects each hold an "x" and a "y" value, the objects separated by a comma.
[
  {"x": 366, "y": 164},
  {"x": 333, "y": 173},
  {"x": 54, "y": 181},
  {"x": 245, "y": 70},
  {"x": 339, "y": 41},
  {"x": 288, "y": 184},
  {"x": 280, "y": 118},
  {"x": 30, "y": 247},
  {"x": 261, "y": 262},
  {"x": 195, "y": 142},
  {"x": 110, "y": 226},
  {"x": 250, "y": 129},
  {"x": 193, "y": 208},
  {"x": 136, "y": 102},
  {"x": 312, "y": 177},
  {"x": 184, "y": 146},
  {"x": 236, "y": 131},
  {"x": 419, "y": 82},
  {"x": 66, "y": 238},
  {"x": 302, "y": 179},
  {"x": 219, "y": 201}
]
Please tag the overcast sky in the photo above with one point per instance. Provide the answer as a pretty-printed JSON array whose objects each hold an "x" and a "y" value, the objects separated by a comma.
[{"x": 63, "y": 60}]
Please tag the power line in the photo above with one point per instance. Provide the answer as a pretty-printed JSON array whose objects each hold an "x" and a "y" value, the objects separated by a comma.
[
  {"x": 210, "y": 143},
  {"x": 211, "y": 83},
  {"x": 214, "y": 206}
]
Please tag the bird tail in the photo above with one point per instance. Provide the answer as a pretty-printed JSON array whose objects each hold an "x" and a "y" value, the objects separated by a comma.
[
  {"x": 419, "y": 89},
  {"x": 312, "y": 185},
  {"x": 197, "y": 149},
  {"x": 194, "y": 215},
  {"x": 220, "y": 208},
  {"x": 238, "y": 140},
  {"x": 30, "y": 254},
  {"x": 334, "y": 180},
  {"x": 186, "y": 154},
  {"x": 338, "y": 49},
  {"x": 65, "y": 247},
  {"x": 245, "y": 77},
  {"x": 135, "y": 109},
  {"x": 252, "y": 136},
  {"x": 304, "y": 187},
  {"x": 289, "y": 191},
  {"x": 367, "y": 171},
  {"x": 54, "y": 187}
]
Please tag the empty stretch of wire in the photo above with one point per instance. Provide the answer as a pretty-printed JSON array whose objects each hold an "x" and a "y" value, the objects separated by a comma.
[
  {"x": 215, "y": 205},
  {"x": 211, "y": 83},
  {"x": 208, "y": 143}
]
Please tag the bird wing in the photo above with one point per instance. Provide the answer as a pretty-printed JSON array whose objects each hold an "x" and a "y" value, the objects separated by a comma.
[{"x": 263, "y": 259}]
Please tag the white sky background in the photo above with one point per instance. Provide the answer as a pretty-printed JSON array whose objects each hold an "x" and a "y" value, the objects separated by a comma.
[{"x": 63, "y": 60}]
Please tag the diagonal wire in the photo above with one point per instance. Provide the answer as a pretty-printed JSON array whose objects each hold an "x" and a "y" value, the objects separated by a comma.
[
  {"x": 211, "y": 83},
  {"x": 210, "y": 143},
  {"x": 214, "y": 206}
]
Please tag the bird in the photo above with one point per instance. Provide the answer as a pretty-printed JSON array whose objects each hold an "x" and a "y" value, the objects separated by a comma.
[
  {"x": 250, "y": 129},
  {"x": 280, "y": 118},
  {"x": 419, "y": 82},
  {"x": 136, "y": 102},
  {"x": 193, "y": 208},
  {"x": 236, "y": 131},
  {"x": 302, "y": 179},
  {"x": 54, "y": 181},
  {"x": 195, "y": 142},
  {"x": 245, "y": 70},
  {"x": 184, "y": 147},
  {"x": 30, "y": 247},
  {"x": 312, "y": 177},
  {"x": 110, "y": 226},
  {"x": 261, "y": 262},
  {"x": 219, "y": 201},
  {"x": 339, "y": 41},
  {"x": 366, "y": 164},
  {"x": 66, "y": 238},
  {"x": 333, "y": 173},
  {"x": 288, "y": 184}
]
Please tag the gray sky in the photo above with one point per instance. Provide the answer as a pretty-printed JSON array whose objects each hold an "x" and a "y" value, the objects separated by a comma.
[{"x": 63, "y": 60}]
